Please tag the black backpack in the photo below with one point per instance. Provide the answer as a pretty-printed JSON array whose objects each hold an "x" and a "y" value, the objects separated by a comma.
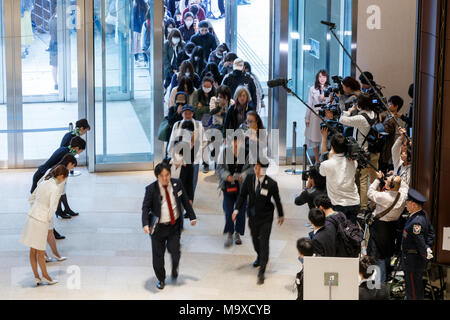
[
  {"x": 376, "y": 138},
  {"x": 348, "y": 236}
]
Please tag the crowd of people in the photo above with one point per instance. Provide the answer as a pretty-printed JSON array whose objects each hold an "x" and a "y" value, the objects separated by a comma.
[{"x": 212, "y": 105}]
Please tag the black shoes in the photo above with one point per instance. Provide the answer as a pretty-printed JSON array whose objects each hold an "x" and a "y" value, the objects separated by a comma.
[
  {"x": 174, "y": 274},
  {"x": 63, "y": 215},
  {"x": 70, "y": 212},
  {"x": 260, "y": 279},
  {"x": 160, "y": 285},
  {"x": 57, "y": 235},
  {"x": 67, "y": 209},
  {"x": 256, "y": 263}
]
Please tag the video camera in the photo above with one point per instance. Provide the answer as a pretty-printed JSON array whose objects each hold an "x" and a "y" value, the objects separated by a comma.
[
  {"x": 333, "y": 108},
  {"x": 336, "y": 87},
  {"x": 377, "y": 105},
  {"x": 339, "y": 127}
]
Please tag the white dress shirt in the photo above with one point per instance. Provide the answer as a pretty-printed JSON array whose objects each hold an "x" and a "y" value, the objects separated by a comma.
[
  {"x": 385, "y": 199},
  {"x": 165, "y": 213},
  {"x": 261, "y": 182},
  {"x": 341, "y": 186},
  {"x": 399, "y": 168},
  {"x": 360, "y": 125}
]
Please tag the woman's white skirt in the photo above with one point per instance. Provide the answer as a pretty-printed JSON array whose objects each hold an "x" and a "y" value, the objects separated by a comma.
[{"x": 34, "y": 234}]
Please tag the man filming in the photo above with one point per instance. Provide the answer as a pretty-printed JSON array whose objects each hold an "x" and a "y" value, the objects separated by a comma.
[
  {"x": 390, "y": 203},
  {"x": 361, "y": 117},
  {"x": 340, "y": 173}
]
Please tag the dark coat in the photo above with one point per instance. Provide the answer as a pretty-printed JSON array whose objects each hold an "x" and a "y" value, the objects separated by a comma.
[
  {"x": 207, "y": 42},
  {"x": 373, "y": 294},
  {"x": 308, "y": 196},
  {"x": 151, "y": 205},
  {"x": 231, "y": 118},
  {"x": 187, "y": 33},
  {"x": 50, "y": 163},
  {"x": 260, "y": 207},
  {"x": 240, "y": 78},
  {"x": 324, "y": 242},
  {"x": 65, "y": 142}
]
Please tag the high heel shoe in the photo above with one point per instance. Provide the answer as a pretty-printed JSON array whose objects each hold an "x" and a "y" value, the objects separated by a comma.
[
  {"x": 49, "y": 282},
  {"x": 60, "y": 258},
  {"x": 37, "y": 281}
]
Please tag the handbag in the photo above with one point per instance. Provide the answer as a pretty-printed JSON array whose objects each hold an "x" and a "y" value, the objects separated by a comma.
[
  {"x": 231, "y": 188},
  {"x": 164, "y": 130}
]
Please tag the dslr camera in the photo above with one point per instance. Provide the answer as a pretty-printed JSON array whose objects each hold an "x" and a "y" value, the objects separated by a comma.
[
  {"x": 336, "y": 87},
  {"x": 377, "y": 105}
]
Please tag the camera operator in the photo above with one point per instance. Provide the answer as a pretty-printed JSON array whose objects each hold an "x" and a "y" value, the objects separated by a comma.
[
  {"x": 361, "y": 117},
  {"x": 365, "y": 86},
  {"x": 352, "y": 89},
  {"x": 390, "y": 204},
  {"x": 340, "y": 174},
  {"x": 402, "y": 157},
  {"x": 315, "y": 186}
]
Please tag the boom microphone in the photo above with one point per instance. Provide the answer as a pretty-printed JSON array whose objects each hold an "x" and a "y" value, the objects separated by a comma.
[
  {"x": 277, "y": 83},
  {"x": 330, "y": 24}
]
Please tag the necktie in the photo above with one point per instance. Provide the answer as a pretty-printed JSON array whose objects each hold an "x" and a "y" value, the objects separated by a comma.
[
  {"x": 169, "y": 204},
  {"x": 258, "y": 187}
]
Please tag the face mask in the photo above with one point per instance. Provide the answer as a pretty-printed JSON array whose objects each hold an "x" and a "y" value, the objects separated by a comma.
[
  {"x": 196, "y": 58},
  {"x": 206, "y": 90},
  {"x": 219, "y": 56},
  {"x": 169, "y": 30},
  {"x": 189, "y": 23},
  {"x": 301, "y": 259},
  {"x": 176, "y": 41},
  {"x": 187, "y": 74}
]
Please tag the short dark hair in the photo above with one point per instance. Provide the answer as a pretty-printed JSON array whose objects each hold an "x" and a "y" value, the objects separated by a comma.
[
  {"x": 230, "y": 57},
  {"x": 68, "y": 158},
  {"x": 396, "y": 101},
  {"x": 319, "y": 181},
  {"x": 351, "y": 83},
  {"x": 411, "y": 91},
  {"x": 187, "y": 15},
  {"x": 203, "y": 24},
  {"x": 317, "y": 217},
  {"x": 338, "y": 142},
  {"x": 78, "y": 142},
  {"x": 364, "y": 101},
  {"x": 323, "y": 201},
  {"x": 160, "y": 167},
  {"x": 364, "y": 263},
  {"x": 368, "y": 75},
  {"x": 225, "y": 91},
  {"x": 304, "y": 246},
  {"x": 82, "y": 123}
]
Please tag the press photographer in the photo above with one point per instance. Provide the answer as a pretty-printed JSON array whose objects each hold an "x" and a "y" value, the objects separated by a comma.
[
  {"x": 315, "y": 186},
  {"x": 368, "y": 88},
  {"x": 390, "y": 203},
  {"x": 361, "y": 117},
  {"x": 351, "y": 89},
  {"x": 340, "y": 174}
]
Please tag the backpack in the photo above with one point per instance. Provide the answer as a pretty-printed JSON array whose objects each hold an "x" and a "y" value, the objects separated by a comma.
[
  {"x": 376, "y": 138},
  {"x": 348, "y": 236}
]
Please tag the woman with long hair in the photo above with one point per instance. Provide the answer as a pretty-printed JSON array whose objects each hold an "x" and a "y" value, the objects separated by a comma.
[
  {"x": 185, "y": 85},
  {"x": 40, "y": 216},
  {"x": 198, "y": 60},
  {"x": 140, "y": 8},
  {"x": 313, "y": 137},
  {"x": 172, "y": 48},
  {"x": 236, "y": 114}
]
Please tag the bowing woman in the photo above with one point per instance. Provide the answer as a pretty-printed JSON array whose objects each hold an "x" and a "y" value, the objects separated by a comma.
[{"x": 40, "y": 216}]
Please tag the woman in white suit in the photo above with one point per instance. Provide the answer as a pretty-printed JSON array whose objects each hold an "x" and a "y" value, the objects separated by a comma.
[
  {"x": 40, "y": 220},
  {"x": 70, "y": 162},
  {"x": 316, "y": 96}
]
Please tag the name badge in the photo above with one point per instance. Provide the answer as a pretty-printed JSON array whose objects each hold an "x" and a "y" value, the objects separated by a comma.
[
  {"x": 264, "y": 192},
  {"x": 180, "y": 193}
]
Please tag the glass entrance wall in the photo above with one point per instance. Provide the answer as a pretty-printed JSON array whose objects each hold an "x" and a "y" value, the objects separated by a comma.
[
  {"x": 123, "y": 87},
  {"x": 312, "y": 48},
  {"x": 49, "y": 74},
  {"x": 3, "y": 118},
  {"x": 253, "y": 41}
]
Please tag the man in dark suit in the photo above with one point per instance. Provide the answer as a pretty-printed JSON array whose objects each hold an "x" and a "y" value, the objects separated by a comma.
[
  {"x": 164, "y": 199},
  {"x": 324, "y": 237},
  {"x": 259, "y": 189},
  {"x": 81, "y": 127}
]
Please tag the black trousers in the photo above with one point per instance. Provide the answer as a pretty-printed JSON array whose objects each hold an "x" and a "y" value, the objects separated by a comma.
[
  {"x": 166, "y": 236},
  {"x": 260, "y": 237},
  {"x": 36, "y": 177},
  {"x": 414, "y": 285},
  {"x": 221, "y": 6},
  {"x": 186, "y": 177}
]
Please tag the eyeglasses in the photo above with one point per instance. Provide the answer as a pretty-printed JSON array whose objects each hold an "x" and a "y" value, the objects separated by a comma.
[{"x": 251, "y": 121}]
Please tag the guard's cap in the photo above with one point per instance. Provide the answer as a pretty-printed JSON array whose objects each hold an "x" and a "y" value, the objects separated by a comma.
[{"x": 416, "y": 196}]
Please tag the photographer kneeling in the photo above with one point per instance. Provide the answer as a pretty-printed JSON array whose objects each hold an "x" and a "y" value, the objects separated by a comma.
[
  {"x": 390, "y": 204},
  {"x": 315, "y": 186},
  {"x": 340, "y": 174},
  {"x": 361, "y": 117}
]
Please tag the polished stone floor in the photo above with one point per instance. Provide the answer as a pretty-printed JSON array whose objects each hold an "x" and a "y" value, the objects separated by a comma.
[{"x": 109, "y": 256}]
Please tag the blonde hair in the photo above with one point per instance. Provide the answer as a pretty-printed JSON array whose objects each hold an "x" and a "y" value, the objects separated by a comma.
[{"x": 239, "y": 91}]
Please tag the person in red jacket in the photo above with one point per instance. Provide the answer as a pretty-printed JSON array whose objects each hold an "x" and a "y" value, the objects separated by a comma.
[{"x": 197, "y": 11}]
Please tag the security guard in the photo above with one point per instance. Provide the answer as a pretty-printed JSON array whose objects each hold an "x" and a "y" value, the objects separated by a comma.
[{"x": 418, "y": 236}]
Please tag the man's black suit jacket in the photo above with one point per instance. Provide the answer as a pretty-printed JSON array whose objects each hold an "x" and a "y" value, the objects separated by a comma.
[
  {"x": 260, "y": 204},
  {"x": 151, "y": 205},
  {"x": 324, "y": 242}
]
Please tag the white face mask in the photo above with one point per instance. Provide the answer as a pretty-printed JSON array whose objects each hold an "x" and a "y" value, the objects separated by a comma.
[
  {"x": 188, "y": 23},
  {"x": 187, "y": 74},
  {"x": 206, "y": 90},
  {"x": 169, "y": 30},
  {"x": 176, "y": 41},
  {"x": 219, "y": 56},
  {"x": 196, "y": 58}
]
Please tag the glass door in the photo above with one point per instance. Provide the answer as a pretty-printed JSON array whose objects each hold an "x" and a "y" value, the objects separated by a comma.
[
  {"x": 3, "y": 117},
  {"x": 123, "y": 84},
  {"x": 48, "y": 30}
]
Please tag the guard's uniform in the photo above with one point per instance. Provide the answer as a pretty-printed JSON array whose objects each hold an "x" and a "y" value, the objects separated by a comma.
[{"x": 418, "y": 236}]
